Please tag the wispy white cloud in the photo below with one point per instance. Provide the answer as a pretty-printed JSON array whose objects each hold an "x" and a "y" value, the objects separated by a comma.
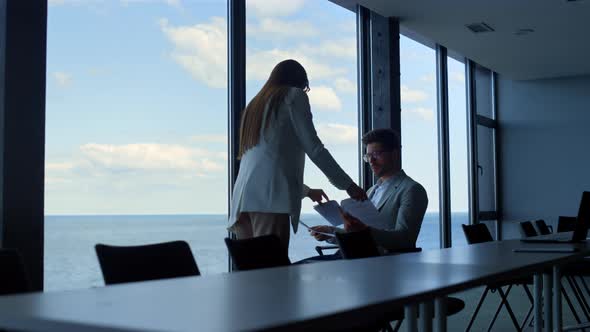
[
  {"x": 261, "y": 63},
  {"x": 209, "y": 139},
  {"x": 324, "y": 98},
  {"x": 334, "y": 133},
  {"x": 341, "y": 48},
  {"x": 200, "y": 49},
  {"x": 150, "y": 157},
  {"x": 421, "y": 112},
  {"x": 345, "y": 85},
  {"x": 457, "y": 76},
  {"x": 273, "y": 28},
  {"x": 428, "y": 78},
  {"x": 161, "y": 162},
  {"x": 409, "y": 95},
  {"x": 271, "y": 8},
  {"x": 63, "y": 79}
]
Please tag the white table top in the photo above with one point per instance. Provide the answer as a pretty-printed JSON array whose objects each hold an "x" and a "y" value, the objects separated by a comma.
[{"x": 292, "y": 297}]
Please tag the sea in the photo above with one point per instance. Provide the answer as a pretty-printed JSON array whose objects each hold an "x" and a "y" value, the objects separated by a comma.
[{"x": 70, "y": 260}]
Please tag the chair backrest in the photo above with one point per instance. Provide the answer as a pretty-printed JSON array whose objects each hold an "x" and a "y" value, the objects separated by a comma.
[
  {"x": 13, "y": 278},
  {"x": 542, "y": 227},
  {"x": 257, "y": 252},
  {"x": 359, "y": 244},
  {"x": 121, "y": 264},
  {"x": 566, "y": 224},
  {"x": 477, "y": 233},
  {"x": 527, "y": 229}
]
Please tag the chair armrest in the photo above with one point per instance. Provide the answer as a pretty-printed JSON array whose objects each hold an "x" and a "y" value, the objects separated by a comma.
[{"x": 320, "y": 249}]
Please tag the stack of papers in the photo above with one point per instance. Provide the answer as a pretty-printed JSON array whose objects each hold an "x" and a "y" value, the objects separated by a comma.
[{"x": 365, "y": 211}]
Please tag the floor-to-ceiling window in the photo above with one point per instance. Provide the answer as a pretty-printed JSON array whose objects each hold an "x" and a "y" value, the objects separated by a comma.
[
  {"x": 322, "y": 37},
  {"x": 136, "y": 132},
  {"x": 419, "y": 130},
  {"x": 458, "y": 150}
]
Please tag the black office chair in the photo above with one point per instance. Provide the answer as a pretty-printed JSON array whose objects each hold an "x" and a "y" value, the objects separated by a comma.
[
  {"x": 360, "y": 244},
  {"x": 121, "y": 264},
  {"x": 257, "y": 253},
  {"x": 566, "y": 224},
  {"x": 543, "y": 228},
  {"x": 527, "y": 229},
  {"x": 13, "y": 278},
  {"x": 479, "y": 233}
]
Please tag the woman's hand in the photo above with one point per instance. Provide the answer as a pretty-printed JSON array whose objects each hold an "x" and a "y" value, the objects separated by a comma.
[
  {"x": 323, "y": 229},
  {"x": 316, "y": 195},
  {"x": 356, "y": 192},
  {"x": 352, "y": 224}
]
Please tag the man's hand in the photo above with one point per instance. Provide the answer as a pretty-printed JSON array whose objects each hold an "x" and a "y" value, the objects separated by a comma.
[
  {"x": 357, "y": 193},
  {"x": 352, "y": 224},
  {"x": 323, "y": 229},
  {"x": 316, "y": 195}
]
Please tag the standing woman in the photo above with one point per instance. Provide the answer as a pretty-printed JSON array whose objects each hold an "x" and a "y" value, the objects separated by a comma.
[{"x": 276, "y": 133}]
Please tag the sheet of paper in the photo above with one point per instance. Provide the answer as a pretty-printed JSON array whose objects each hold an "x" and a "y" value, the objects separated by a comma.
[
  {"x": 365, "y": 211},
  {"x": 330, "y": 211},
  {"x": 305, "y": 225}
]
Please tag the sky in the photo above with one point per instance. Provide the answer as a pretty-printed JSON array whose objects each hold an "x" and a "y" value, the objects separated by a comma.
[{"x": 137, "y": 101}]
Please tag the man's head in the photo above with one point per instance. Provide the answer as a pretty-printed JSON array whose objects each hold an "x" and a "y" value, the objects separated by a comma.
[{"x": 382, "y": 151}]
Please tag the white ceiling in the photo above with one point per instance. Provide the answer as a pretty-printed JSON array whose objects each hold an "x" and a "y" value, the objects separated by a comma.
[{"x": 559, "y": 46}]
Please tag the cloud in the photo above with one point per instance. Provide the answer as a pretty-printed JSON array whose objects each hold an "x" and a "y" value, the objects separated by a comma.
[
  {"x": 324, "y": 98},
  {"x": 429, "y": 78},
  {"x": 334, "y": 133},
  {"x": 457, "y": 76},
  {"x": 341, "y": 48},
  {"x": 345, "y": 85},
  {"x": 409, "y": 95},
  {"x": 274, "y": 28},
  {"x": 421, "y": 112},
  {"x": 209, "y": 139},
  {"x": 271, "y": 8},
  {"x": 200, "y": 49},
  {"x": 168, "y": 163},
  {"x": 261, "y": 63},
  {"x": 150, "y": 157},
  {"x": 63, "y": 79}
]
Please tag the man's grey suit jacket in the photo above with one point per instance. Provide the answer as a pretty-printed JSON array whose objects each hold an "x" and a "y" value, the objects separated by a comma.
[{"x": 404, "y": 204}]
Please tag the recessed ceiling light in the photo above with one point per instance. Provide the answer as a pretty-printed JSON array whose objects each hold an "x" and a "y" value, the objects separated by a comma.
[
  {"x": 479, "y": 27},
  {"x": 526, "y": 31}
]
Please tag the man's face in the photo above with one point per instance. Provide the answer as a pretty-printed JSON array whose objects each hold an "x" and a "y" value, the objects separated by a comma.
[{"x": 381, "y": 159}]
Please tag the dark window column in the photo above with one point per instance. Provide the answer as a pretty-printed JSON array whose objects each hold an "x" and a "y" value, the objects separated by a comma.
[
  {"x": 236, "y": 80},
  {"x": 444, "y": 177},
  {"x": 23, "y": 30},
  {"x": 379, "y": 77}
]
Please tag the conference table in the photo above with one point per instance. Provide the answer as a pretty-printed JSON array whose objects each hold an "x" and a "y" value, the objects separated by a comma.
[{"x": 327, "y": 296}]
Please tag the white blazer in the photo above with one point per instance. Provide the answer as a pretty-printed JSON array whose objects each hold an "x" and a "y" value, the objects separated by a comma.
[{"x": 270, "y": 178}]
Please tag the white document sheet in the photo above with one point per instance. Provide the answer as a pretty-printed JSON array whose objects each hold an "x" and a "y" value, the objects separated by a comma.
[
  {"x": 365, "y": 211},
  {"x": 330, "y": 211}
]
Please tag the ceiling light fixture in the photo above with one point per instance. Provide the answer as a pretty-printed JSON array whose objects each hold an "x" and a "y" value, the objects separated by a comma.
[
  {"x": 522, "y": 32},
  {"x": 479, "y": 27}
]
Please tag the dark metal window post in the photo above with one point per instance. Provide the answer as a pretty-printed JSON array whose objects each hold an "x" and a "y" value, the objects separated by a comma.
[
  {"x": 378, "y": 78},
  {"x": 364, "y": 88},
  {"x": 472, "y": 141},
  {"x": 497, "y": 174},
  {"x": 444, "y": 182},
  {"x": 23, "y": 44},
  {"x": 236, "y": 87}
]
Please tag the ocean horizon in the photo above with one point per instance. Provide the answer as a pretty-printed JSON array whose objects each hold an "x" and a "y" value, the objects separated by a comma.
[{"x": 70, "y": 260}]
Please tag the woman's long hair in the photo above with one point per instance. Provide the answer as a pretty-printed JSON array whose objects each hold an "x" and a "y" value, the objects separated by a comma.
[{"x": 286, "y": 74}]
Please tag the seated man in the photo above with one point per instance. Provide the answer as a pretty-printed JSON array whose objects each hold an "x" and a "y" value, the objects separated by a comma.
[{"x": 396, "y": 196}]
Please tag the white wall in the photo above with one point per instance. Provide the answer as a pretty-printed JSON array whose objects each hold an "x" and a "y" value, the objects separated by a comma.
[{"x": 545, "y": 153}]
